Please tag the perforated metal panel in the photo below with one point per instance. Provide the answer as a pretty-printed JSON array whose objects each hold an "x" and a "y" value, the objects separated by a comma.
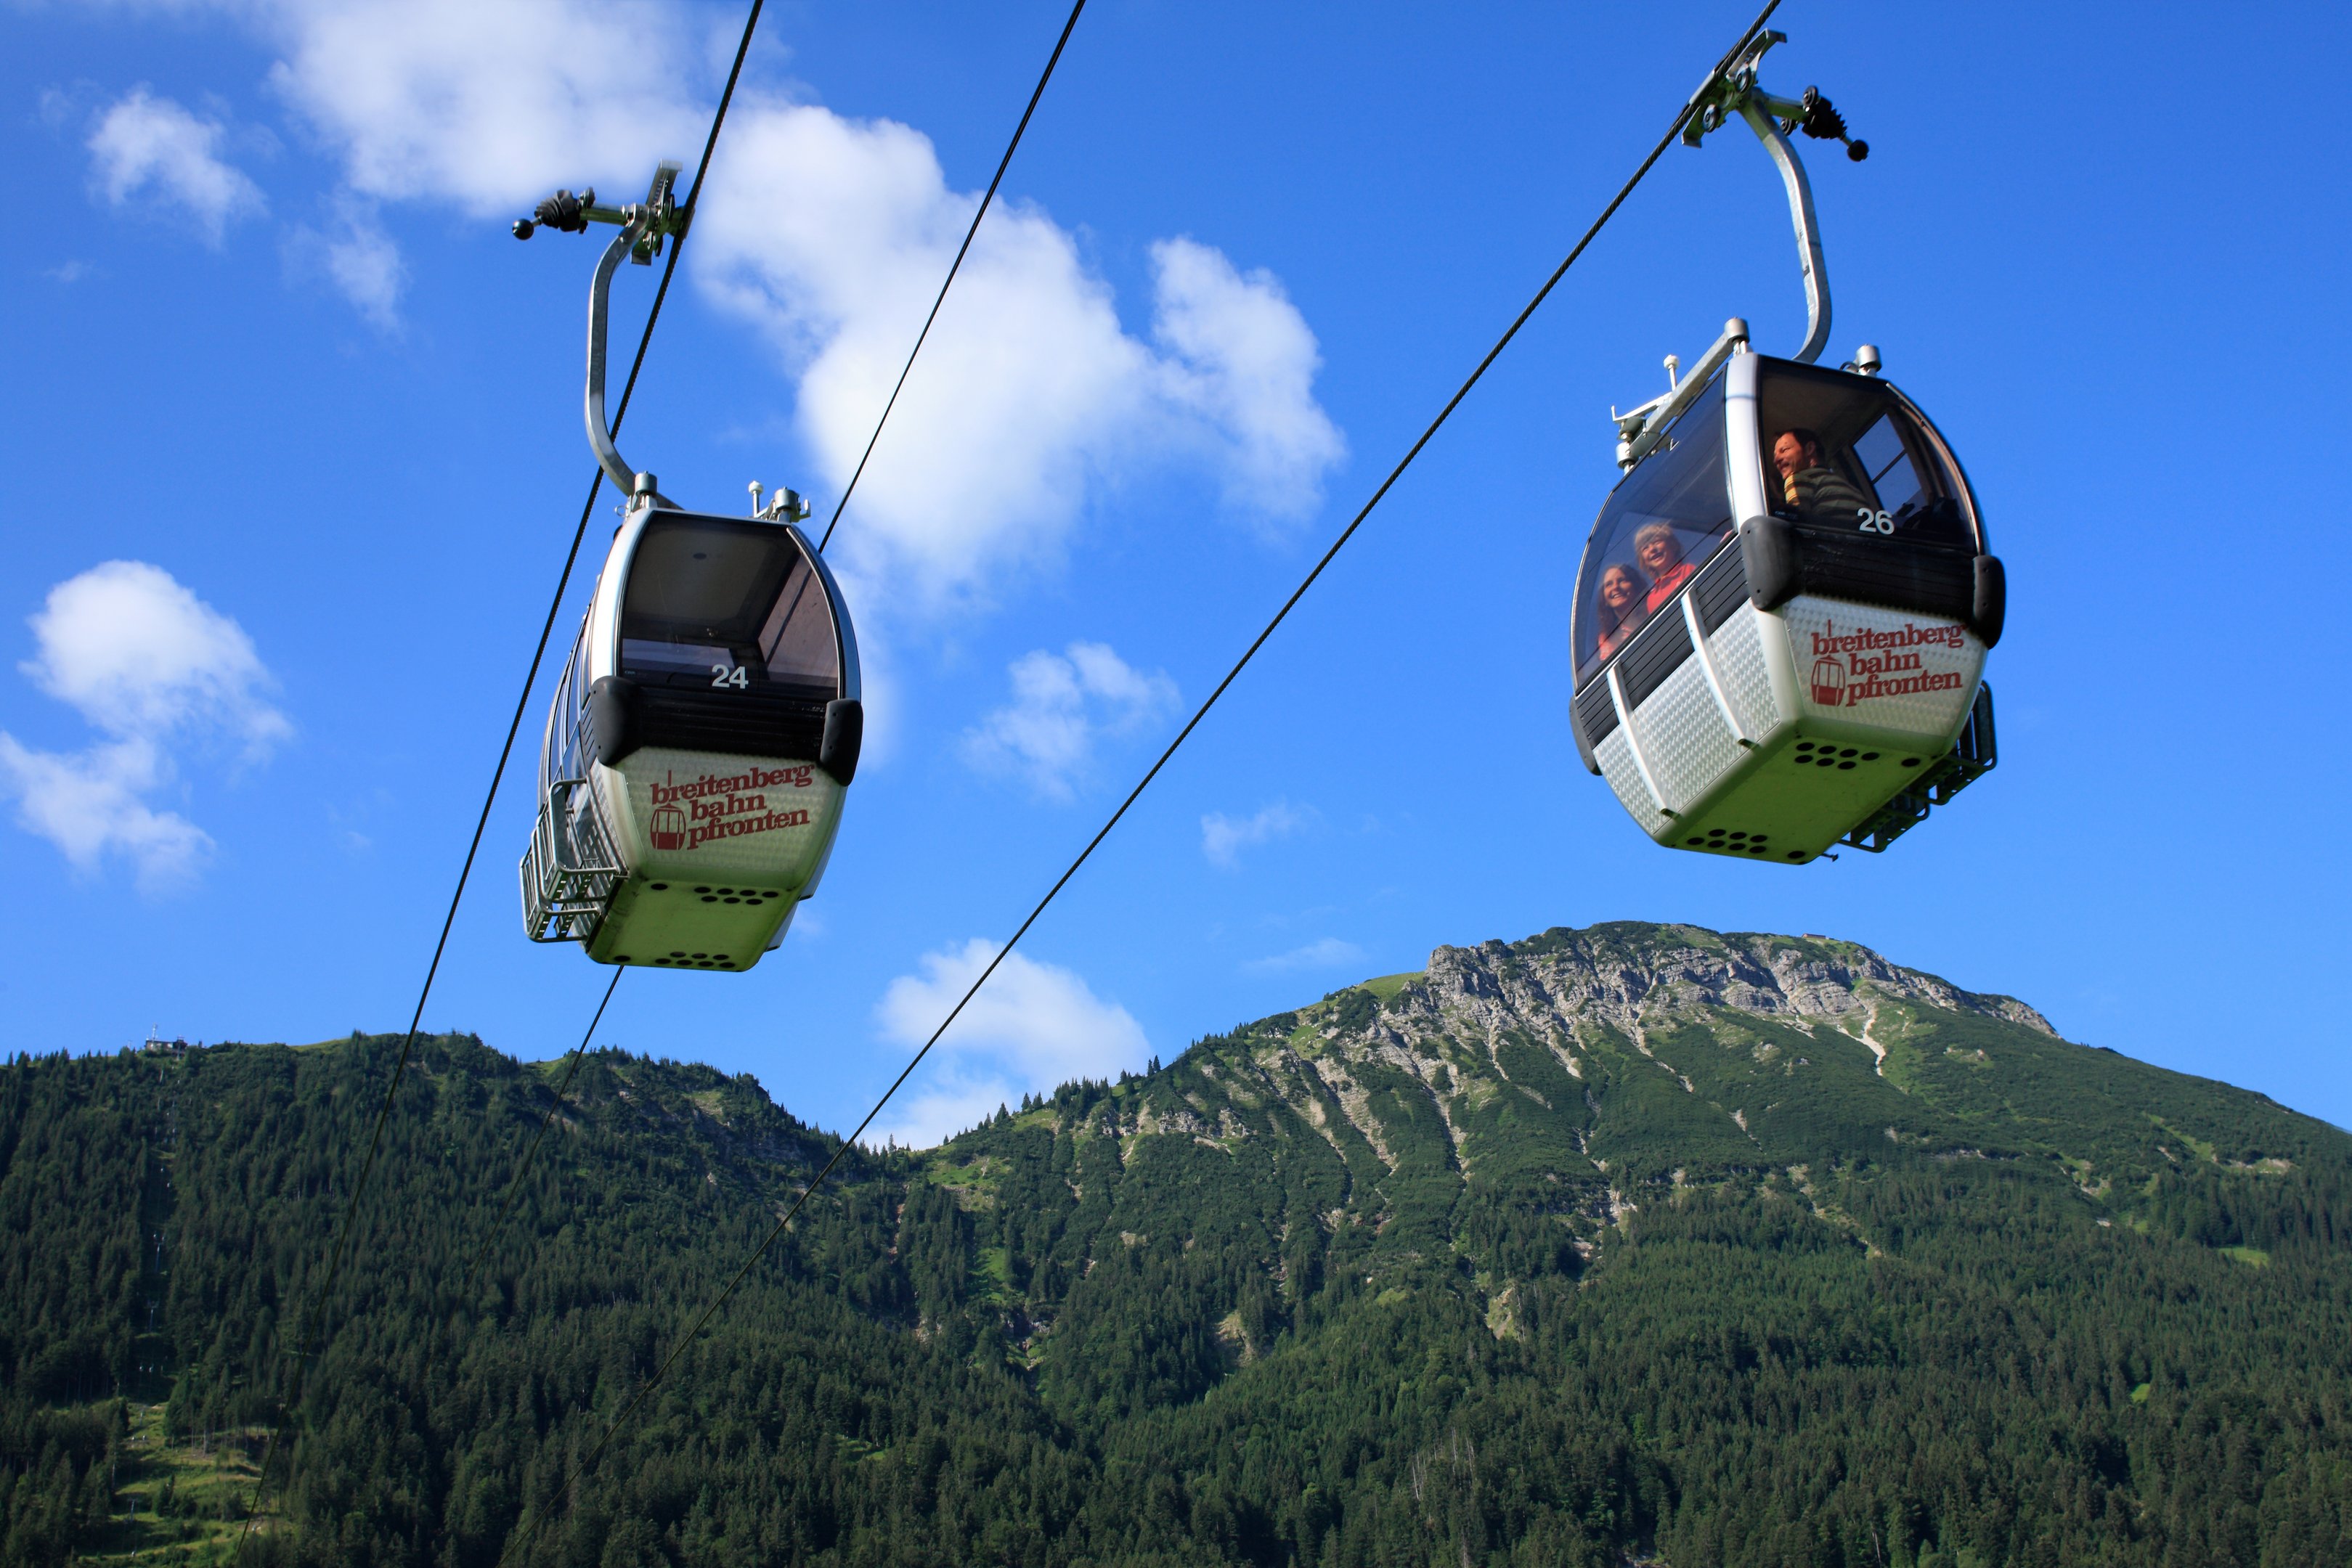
[
  {"x": 1683, "y": 738},
  {"x": 1739, "y": 652},
  {"x": 1617, "y": 766}
]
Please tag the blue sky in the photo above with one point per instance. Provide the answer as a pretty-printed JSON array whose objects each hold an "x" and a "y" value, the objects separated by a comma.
[{"x": 277, "y": 357}]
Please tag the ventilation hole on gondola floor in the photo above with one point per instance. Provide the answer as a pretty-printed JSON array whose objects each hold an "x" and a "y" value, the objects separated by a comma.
[
  {"x": 1910, "y": 762},
  {"x": 1695, "y": 838},
  {"x": 1870, "y": 757},
  {"x": 620, "y": 957},
  {"x": 661, "y": 887},
  {"x": 1737, "y": 837},
  {"x": 722, "y": 891},
  {"x": 771, "y": 892},
  {"x": 1846, "y": 766},
  {"x": 754, "y": 903},
  {"x": 739, "y": 901},
  {"x": 676, "y": 954},
  {"x": 709, "y": 898},
  {"x": 702, "y": 955},
  {"x": 1756, "y": 849},
  {"x": 1796, "y": 854},
  {"x": 1851, "y": 751},
  {"x": 1804, "y": 746}
]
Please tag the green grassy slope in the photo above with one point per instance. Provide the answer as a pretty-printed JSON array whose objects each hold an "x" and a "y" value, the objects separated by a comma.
[{"x": 1721, "y": 1247}]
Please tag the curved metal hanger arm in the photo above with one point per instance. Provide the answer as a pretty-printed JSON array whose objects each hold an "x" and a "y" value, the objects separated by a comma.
[
  {"x": 1755, "y": 110},
  {"x": 600, "y": 290},
  {"x": 643, "y": 226}
]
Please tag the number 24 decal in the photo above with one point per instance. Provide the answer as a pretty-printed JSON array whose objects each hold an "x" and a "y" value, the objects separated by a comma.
[
  {"x": 729, "y": 675},
  {"x": 1873, "y": 522}
]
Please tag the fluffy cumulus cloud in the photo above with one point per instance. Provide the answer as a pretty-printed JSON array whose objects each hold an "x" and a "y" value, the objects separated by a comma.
[
  {"x": 1062, "y": 706},
  {"x": 1224, "y": 838},
  {"x": 487, "y": 104},
  {"x": 1241, "y": 357},
  {"x": 149, "y": 152},
  {"x": 152, "y": 667},
  {"x": 831, "y": 235},
  {"x": 1032, "y": 1027}
]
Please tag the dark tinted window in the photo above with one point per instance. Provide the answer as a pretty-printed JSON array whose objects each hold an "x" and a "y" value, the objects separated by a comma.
[
  {"x": 1841, "y": 451},
  {"x": 1657, "y": 529},
  {"x": 714, "y": 602}
]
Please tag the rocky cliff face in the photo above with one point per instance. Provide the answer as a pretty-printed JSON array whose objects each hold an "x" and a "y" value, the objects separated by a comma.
[
  {"x": 1580, "y": 1067},
  {"x": 1621, "y": 972}
]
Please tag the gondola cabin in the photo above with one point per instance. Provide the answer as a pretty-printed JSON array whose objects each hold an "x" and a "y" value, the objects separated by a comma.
[
  {"x": 1781, "y": 618},
  {"x": 701, "y": 740}
]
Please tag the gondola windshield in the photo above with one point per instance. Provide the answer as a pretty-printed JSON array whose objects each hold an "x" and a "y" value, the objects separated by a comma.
[
  {"x": 713, "y": 603},
  {"x": 1658, "y": 528},
  {"x": 1846, "y": 453}
]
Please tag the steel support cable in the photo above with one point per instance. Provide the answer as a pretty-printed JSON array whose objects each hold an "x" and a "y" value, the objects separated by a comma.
[
  {"x": 498, "y": 774},
  {"x": 621, "y": 1418},
  {"x": 514, "y": 1184},
  {"x": 1001, "y": 165}
]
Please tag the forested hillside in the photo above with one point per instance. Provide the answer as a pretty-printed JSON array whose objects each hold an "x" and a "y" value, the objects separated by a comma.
[{"x": 1633, "y": 1241}]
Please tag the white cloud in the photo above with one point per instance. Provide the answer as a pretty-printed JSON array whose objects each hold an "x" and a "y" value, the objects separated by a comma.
[
  {"x": 1243, "y": 358},
  {"x": 146, "y": 147},
  {"x": 90, "y": 802},
  {"x": 489, "y": 102},
  {"x": 358, "y": 257},
  {"x": 1061, "y": 706},
  {"x": 1032, "y": 1027},
  {"x": 1222, "y": 838},
  {"x": 1328, "y": 954},
  {"x": 146, "y": 663},
  {"x": 831, "y": 235}
]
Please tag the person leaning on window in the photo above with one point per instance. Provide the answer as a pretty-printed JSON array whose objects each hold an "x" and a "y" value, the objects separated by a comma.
[
  {"x": 1661, "y": 555},
  {"x": 1810, "y": 487},
  {"x": 1621, "y": 612}
]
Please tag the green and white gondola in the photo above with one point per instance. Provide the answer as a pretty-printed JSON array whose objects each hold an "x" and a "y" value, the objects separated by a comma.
[
  {"x": 707, "y": 723},
  {"x": 1784, "y": 607},
  {"x": 700, "y": 749}
]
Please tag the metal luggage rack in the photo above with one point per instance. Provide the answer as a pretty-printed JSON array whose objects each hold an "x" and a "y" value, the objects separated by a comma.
[
  {"x": 570, "y": 870},
  {"x": 1973, "y": 756}
]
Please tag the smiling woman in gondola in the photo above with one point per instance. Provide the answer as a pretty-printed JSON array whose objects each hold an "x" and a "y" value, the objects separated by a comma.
[{"x": 1622, "y": 610}]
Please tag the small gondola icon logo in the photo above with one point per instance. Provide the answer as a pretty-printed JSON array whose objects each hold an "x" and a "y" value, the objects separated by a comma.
[
  {"x": 668, "y": 827},
  {"x": 1829, "y": 682}
]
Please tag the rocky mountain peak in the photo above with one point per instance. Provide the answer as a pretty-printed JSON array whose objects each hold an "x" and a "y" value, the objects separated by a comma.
[{"x": 1624, "y": 971}]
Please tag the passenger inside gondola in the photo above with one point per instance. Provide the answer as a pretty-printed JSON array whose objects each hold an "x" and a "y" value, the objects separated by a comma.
[
  {"x": 1810, "y": 487},
  {"x": 1661, "y": 555},
  {"x": 1622, "y": 610}
]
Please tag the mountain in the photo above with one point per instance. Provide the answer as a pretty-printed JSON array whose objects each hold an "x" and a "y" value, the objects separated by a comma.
[{"x": 1632, "y": 1242}]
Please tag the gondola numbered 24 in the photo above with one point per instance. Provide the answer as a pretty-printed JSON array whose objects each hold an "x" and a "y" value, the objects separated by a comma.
[
  {"x": 706, "y": 725},
  {"x": 1784, "y": 610}
]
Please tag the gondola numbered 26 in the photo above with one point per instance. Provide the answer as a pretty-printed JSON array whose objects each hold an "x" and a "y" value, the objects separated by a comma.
[
  {"x": 1784, "y": 610},
  {"x": 706, "y": 725}
]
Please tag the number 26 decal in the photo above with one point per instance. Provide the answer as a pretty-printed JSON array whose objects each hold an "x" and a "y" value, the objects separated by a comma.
[
  {"x": 729, "y": 675},
  {"x": 1874, "y": 522}
]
